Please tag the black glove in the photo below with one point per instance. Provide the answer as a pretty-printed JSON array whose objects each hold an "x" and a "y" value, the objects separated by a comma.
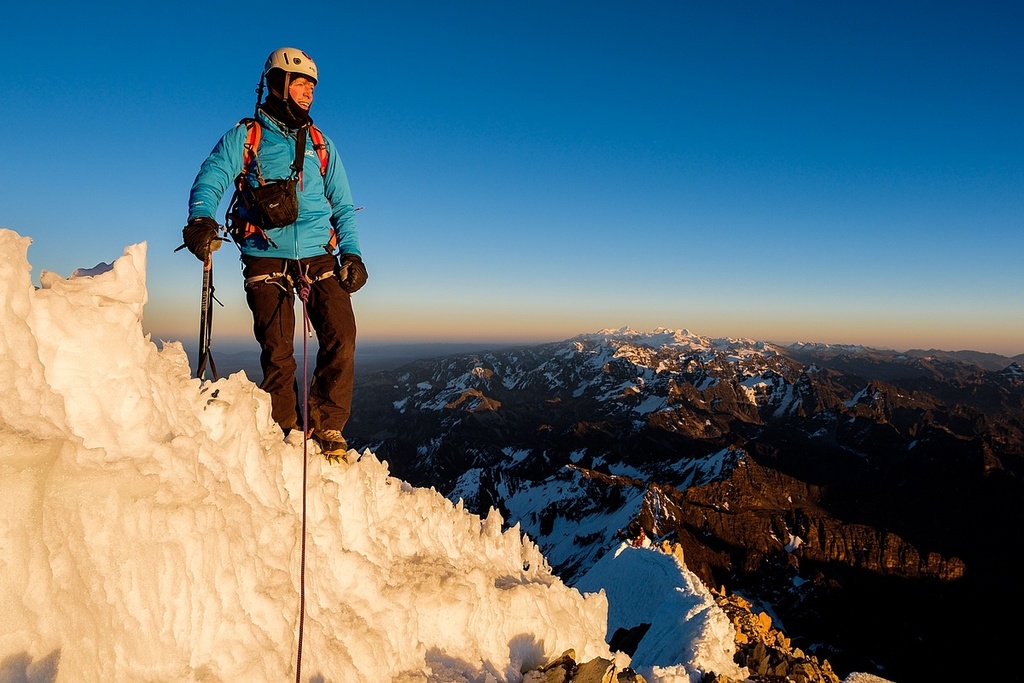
[
  {"x": 351, "y": 272},
  {"x": 201, "y": 237}
]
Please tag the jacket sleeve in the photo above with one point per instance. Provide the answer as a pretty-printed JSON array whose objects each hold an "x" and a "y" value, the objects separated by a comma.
[
  {"x": 217, "y": 174},
  {"x": 339, "y": 194}
]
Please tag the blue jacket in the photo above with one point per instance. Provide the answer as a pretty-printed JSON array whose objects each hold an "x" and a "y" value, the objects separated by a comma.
[{"x": 324, "y": 201}]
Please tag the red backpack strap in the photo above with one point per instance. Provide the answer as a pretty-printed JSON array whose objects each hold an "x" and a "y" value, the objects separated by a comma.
[
  {"x": 320, "y": 145},
  {"x": 254, "y": 131},
  {"x": 321, "y": 148},
  {"x": 240, "y": 229}
]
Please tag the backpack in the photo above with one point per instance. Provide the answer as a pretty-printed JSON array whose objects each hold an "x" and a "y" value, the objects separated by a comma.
[{"x": 241, "y": 229}]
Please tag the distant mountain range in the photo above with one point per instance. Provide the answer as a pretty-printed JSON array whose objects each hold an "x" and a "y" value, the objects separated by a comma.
[
  {"x": 869, "y": 500},
  {"x": 376, "y": 356}
]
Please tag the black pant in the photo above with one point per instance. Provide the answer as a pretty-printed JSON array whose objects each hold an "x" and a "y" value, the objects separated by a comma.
[{"x": 270, "y": 290}]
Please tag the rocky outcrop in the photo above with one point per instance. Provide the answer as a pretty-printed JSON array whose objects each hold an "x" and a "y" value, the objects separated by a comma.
[
  {"x": 765, "y": 651},
  {"x": 473, "y": 400},
  {"x": 763, "y": 516},
  {"x": 565, "y": 669}
]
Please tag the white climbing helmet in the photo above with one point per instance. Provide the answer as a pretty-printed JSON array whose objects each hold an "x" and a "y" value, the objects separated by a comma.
[{"x": 291, "y": 60}]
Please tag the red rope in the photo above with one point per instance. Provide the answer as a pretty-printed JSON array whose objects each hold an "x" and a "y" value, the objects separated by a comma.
[{"x": 303, "y": 289}]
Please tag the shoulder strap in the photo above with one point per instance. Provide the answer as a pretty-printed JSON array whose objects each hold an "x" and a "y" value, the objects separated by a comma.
[
  {"x": 320, "y": 146},
  {"x": 239, "y": 228},
  {"x": 252, "y": 141}
]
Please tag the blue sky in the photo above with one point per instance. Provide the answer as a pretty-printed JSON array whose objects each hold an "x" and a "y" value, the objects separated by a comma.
[{"x": 842, "y": 172}]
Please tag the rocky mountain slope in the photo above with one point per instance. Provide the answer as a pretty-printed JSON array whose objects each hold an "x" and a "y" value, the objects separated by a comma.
[{"x": 868, "y": 500}]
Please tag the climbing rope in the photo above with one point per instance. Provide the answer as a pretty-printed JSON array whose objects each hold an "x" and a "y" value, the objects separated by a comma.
[{"x": 303, "y": 290}]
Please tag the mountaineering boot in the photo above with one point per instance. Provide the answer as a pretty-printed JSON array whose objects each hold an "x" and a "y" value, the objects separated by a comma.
[{"x": 332, "y": 444}]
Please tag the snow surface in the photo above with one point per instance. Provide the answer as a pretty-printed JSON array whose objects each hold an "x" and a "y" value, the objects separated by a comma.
[
  {"x": 151, "y": 529},
  {"x": 686, "y": 624}
]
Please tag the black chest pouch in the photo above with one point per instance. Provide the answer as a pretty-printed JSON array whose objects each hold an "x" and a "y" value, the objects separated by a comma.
[{"x": 274, "y": 203}]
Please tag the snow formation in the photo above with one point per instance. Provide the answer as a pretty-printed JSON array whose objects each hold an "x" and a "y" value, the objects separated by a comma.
[{"x": 151, "y": 524}]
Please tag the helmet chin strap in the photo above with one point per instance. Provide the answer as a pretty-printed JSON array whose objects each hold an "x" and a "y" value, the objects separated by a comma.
[{"x": 264, "y": 85}]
